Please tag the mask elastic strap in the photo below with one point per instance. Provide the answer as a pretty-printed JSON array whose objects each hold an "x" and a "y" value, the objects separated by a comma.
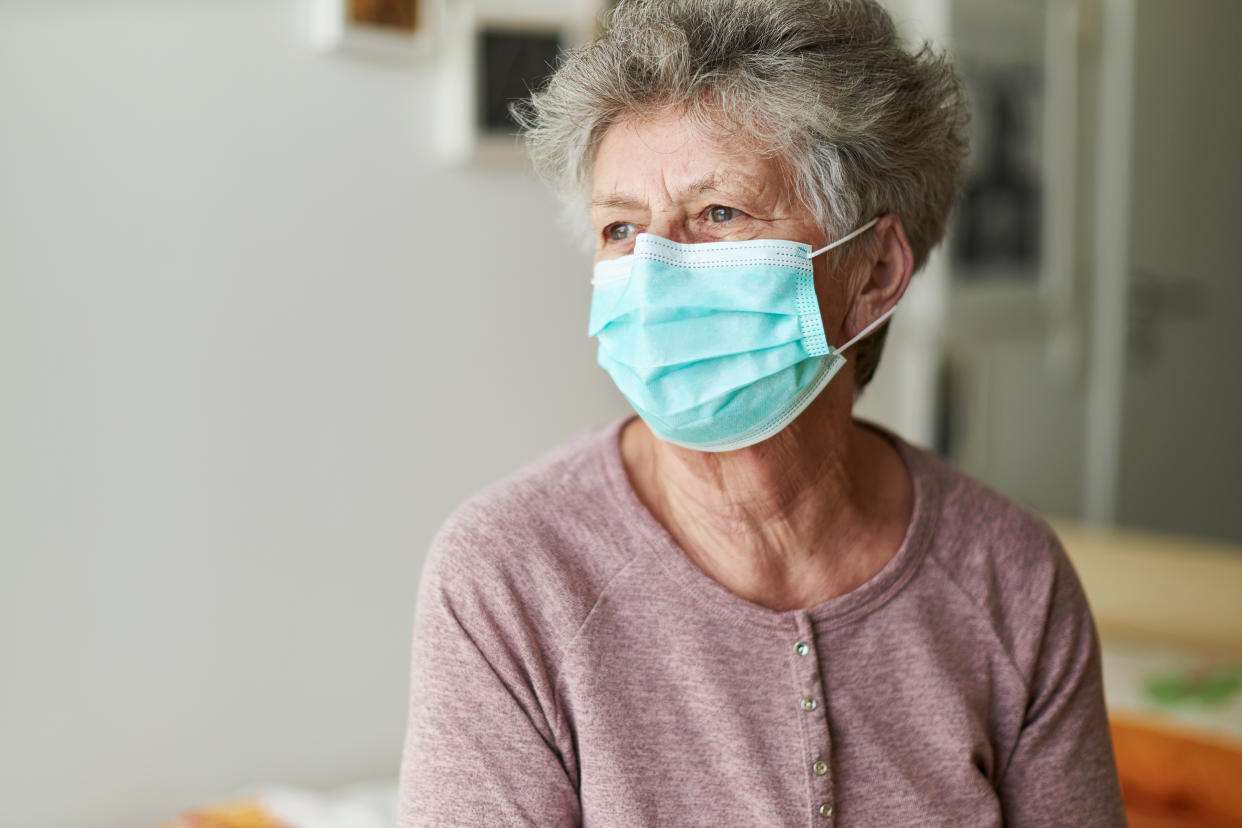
[
  {"x": 877, "y": 323},
  {"x": 845, "y": 238},
  {"x": 884, "y": 316}
]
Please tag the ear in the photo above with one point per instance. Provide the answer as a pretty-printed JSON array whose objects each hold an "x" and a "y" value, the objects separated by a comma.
[{"x": 882, "y": 279}]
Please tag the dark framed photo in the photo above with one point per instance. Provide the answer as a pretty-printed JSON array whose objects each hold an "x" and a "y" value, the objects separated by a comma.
[
  {"x": 512, "y": 62},
  {"x": 487, "y": 63}
]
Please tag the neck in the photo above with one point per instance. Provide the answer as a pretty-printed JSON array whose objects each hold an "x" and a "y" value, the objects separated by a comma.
[{"x": 800, "y": 518}]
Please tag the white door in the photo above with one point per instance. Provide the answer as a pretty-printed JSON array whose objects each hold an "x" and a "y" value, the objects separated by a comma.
[{"x": 1178, "y": 461}]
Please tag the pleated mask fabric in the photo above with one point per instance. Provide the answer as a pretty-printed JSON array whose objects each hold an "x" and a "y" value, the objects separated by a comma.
[{"x": 717, "y": 346}]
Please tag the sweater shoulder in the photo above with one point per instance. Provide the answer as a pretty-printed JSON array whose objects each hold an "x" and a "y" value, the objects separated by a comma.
[
  {"x": 540, "y": 544},
  {"x": 1004, "y": 559}
]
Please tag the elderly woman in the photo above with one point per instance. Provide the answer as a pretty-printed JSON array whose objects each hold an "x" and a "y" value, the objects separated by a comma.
[{"x": 743, "y": 607}]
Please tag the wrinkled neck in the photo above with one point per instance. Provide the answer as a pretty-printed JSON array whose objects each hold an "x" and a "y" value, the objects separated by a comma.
[
  {"x": 792, "y": 496},
  {"x": 799, "y": 519}
]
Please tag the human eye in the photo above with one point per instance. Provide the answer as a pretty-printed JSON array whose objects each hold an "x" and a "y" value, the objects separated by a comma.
[
  {"x": 619, "y": 231},
  {"x": 719, "y": 214}
]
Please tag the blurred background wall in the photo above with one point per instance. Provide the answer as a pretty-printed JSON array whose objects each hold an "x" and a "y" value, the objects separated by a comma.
[
  {"x": 256, "y": 342},
  {"x": 257, "y": 339}
]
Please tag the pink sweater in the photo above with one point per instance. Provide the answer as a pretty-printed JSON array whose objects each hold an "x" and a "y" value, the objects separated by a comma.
[{"x": 572, "y": 667}]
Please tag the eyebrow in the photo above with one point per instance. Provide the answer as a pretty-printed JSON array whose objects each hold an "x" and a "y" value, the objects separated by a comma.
[
  {"x": 709, "y": 183},
  {"x": 618, "y": 201}
]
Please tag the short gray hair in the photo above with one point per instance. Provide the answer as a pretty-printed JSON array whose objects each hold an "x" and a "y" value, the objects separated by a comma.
[{"x": 860, "y": 126}]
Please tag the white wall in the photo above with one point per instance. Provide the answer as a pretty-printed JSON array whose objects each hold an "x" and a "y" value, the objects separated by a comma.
[{"x": 255, "y": 343}]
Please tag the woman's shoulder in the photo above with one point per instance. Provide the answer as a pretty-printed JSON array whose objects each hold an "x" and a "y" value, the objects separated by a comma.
[
  {"x": 975, "y": 520},
  {"x": 554, "y": 493},
  {"x": 545, "y": 535},
  {"x": 1002, "y": 558}
]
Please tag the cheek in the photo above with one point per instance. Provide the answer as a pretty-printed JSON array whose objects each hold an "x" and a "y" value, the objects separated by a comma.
[{"x": 830, "y": 291}]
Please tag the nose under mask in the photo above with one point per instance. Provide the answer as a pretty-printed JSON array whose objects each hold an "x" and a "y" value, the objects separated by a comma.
[{"x": 717, "y": 346}]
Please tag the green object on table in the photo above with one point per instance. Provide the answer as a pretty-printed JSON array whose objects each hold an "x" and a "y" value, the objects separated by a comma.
[{"x": 1211, "y": 688}]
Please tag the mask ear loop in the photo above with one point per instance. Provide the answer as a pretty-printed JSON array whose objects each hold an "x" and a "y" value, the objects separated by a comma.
[
  {"x": 877, "y": 323},
  {"x": 845, "y": 238},
  {"x": 884, "y": 316}
]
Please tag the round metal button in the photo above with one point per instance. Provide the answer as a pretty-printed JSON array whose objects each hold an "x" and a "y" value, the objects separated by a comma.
[
  {"x": 820, "y": 767},
  {"x": 809, "y": 704},
  {"x": 825, "y": 810},
  {"x": 801, "y": 648}
]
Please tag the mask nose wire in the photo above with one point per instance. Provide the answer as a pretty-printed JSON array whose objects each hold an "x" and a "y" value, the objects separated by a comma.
[{"x": 845, "y": 238}]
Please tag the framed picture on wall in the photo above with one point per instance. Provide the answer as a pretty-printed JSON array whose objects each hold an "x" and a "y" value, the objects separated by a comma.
[
  {"x": 392, "y": 30},
  {"x": 1012, "y": 242},
  {"x": 512, "y": 61},
  {"x": 489, "y": 62}
]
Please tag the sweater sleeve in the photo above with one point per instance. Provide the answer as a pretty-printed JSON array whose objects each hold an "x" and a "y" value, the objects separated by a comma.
[
  {"x": 481, "y": 743},
  {"x": 1062, "y": 770}
]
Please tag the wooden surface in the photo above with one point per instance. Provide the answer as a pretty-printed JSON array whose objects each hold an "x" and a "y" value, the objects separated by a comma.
[
  {"x": 1159, "y": 588},
  {"x": 1173, "y": 779},
  {"x": 1166, "y": 591}
]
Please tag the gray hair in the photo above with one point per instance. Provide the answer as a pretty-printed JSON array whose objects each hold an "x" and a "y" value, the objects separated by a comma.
[{"x": 859, "y": 126}]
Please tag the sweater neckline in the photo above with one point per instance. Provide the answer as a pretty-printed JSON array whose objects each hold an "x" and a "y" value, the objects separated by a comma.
[{"x": 835, "y": 612}]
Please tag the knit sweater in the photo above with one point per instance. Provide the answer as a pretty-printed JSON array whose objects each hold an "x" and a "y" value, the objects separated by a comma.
[{"x": 572, "y": 666}]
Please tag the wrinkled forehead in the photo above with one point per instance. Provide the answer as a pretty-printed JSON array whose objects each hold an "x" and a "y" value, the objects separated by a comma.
[{"x": 644, "y": 161}]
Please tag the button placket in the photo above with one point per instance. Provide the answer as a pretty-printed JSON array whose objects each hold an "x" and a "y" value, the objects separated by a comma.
[{"x": 813, "y": 709}]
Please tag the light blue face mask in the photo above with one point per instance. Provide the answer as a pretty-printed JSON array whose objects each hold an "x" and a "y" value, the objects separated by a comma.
[{"x": 718, "y": 346}]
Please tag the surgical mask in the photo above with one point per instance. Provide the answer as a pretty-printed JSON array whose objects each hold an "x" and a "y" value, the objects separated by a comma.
[{"x": 718, "y": 346}]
